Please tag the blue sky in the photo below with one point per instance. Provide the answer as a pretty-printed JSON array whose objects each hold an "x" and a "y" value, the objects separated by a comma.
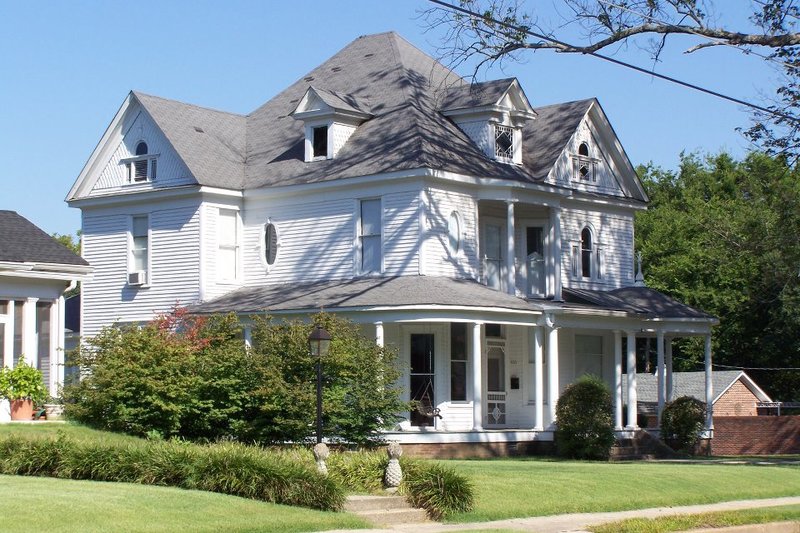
[{"x": 65, "y": 68}]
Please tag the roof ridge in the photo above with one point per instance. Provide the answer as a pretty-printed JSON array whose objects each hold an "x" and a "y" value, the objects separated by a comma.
[
  {"x": 561, "y": 104},
  {"x": 139, "y": 94}
]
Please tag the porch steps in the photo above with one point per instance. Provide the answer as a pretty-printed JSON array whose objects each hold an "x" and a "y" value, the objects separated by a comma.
[
  {"x": 385, "y": 510},
  {"x": 643, "y": 447}
]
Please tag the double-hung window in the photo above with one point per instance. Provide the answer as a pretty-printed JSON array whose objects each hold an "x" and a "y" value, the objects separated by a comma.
[
  {"x": 139, "y": 250},
  {"x": 228, "y": 242},
  {"x": 370, "y": 236}
]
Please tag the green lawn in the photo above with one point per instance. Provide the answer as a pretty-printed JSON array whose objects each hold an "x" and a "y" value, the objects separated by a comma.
[
  {"x": 512, "y": 488},
  {"x": 664, "y": 524},
  {"x": 60, "y": 505}
]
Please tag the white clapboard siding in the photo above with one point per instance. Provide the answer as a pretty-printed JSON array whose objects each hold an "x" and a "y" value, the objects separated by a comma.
[
  {"x": 171, "y": 171},
  {"x": 401, "y": 233},
  {"x": 604, "y": 180},
  {"x": 174, "y": 266},
  {"x": 456, "y": 417},
  {"x": 438, "y": 260},
  {"x": 315, "y": 240},
  {"x": 613, "y": 232}
]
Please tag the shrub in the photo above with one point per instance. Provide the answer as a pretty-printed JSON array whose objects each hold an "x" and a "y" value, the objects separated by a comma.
[
  {"x": 438, "y": 489},
  {"x": 23, "y": 382},
  {"x": 681, "y": 422},
  {"x": 227, "y": 468},
  {"x": 585, "y": 429}
]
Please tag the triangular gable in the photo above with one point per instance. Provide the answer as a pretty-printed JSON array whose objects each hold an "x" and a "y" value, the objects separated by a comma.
[
  {"x": 610, "y": 172},
  {"x": 496, "y": 96},
  {"x": 319, "y": 102},
  {"x": 748, "y": 382}
]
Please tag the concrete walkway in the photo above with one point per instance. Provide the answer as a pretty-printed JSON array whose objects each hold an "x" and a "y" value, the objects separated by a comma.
[{"x": 579, "y": 522}]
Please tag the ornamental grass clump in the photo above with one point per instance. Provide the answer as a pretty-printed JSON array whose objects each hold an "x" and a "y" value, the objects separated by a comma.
[
  {"x": 438, "y": 489},
  {"x": 585, "y": 429}
]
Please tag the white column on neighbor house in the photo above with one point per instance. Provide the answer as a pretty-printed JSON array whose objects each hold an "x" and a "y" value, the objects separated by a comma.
[
  {"x": 555, "y": 245},
  {"x": 632, "y": 398},
  {"x": 511, "y": 271},
  {"x": 552, "y": 369},
  {"x": 8, "y": 344},
  {"x": 29, "y": 344},
  {"x": 668, "y": 363},
  {"x": 477, "y": 385},
  {"x": 709, "y": 386},
  {"x": 379, "y": 334},
  {"x": 618, "y": 380},
  {"x": 56, "y": 346},
  {"x": 247, "y": 333},
  {"x": 538, "y": 378},
  {"x": 660, "y": 373}
]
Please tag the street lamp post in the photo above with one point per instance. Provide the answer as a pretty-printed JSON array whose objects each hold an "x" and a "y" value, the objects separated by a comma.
[{"x": 318, "y": 343}]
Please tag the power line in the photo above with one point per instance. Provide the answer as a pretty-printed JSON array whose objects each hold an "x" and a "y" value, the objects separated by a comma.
[{"x": 664, "y": 77}]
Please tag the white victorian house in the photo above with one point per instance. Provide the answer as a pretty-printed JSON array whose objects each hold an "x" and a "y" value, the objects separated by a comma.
[
  {"x": 35, "y": 272},
  {"x": 489, "y": 241}
]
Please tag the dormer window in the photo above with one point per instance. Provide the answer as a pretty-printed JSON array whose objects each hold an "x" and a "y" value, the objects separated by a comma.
[
  {"x": 319, "y": 142},
  {"x": 583, "y": 164},
  {"x": 143, "y": 166},
  {"x": 504, "y": 143}
]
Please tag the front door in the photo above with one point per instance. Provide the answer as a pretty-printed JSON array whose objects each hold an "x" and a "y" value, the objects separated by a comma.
[
  {"x": 495, "y": 383},
  {"x": 535, "y": 271},
  {"x": 493, "y": 238}
]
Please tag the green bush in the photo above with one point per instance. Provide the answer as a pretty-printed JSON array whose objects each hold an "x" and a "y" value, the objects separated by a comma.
[
  {"x": 227, "y": 468},
  {"x": 681, "y": 423},
  {"x": 438, "y": 489},
  {"x": 585, "y": 429},
  {"x": 23, "y": 382}
]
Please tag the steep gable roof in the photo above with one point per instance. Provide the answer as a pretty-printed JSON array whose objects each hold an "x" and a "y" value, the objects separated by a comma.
[
  {"x": 23, "y": 242},
  {"x": 210, "y": 142},
  {"x": 694, "y": 384}
]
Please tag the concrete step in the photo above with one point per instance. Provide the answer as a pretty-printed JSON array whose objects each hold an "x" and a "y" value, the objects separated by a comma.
[
  {"x": 385, "y": 510},
  {"x": 356, "y": 504},
  {"x": 392, "y": 517}
]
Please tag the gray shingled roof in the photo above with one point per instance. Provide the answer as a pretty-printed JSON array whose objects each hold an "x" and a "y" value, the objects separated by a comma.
[
  {"x": 399, "y": 84},
  {"x": 23, "y": 242},
  {"x": 637, "y": 300},
  {"x": 362, "y": 293},
  {"x": 684, "y": 384}
]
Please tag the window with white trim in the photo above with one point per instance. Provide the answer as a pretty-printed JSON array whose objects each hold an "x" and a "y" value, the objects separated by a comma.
[
  {"x": 588, "y": 355},
  {"x": 584, "y": 166},
  {"x": 369, "y": 236},
  {"x": 458, "y": 362},
  {"x": 143, "y": 166},
  {"x": 319, "y": 142},
  {"x": 228, "y": 245},
  {"x": 138, "y": 262},
  {"x": 587, "y": 255},
  {"x": 504, "y": 143},
  {"x": 454, "y": 233},
  {"x": 270, "y": 243}
]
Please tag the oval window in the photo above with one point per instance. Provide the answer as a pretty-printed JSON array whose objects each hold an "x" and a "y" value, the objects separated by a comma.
[
  {"x": 270, "y": 243},
  {"x": 454, "y": 233}
]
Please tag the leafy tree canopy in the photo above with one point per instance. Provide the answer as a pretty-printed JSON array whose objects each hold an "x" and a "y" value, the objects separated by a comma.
[{"x": 722, "y": 235}]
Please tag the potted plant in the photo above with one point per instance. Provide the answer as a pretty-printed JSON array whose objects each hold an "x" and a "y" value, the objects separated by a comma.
[
  {"x": 22, "y": 386},
  {"x": 54, "y": 408}
]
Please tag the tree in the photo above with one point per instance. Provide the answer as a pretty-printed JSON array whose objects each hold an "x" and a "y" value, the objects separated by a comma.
[
  {"x": 721, "y": 235},
  {"x": 495, "y": 31},
  {"x": 73, "y": 243}
]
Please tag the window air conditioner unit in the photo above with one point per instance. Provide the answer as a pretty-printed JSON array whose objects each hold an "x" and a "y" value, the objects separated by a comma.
[{"x": 137, "y": 278}]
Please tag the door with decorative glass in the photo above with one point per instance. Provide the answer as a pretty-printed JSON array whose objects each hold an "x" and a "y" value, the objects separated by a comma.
[
  {"x": 535, "y": 271},
  {"x": 494, "y": 232},
  {"x": 495, "y": 383}
]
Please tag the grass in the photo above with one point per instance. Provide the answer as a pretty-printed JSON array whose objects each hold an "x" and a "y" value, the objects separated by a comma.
[
  {"x": 60, "y": 505},
  {"x": 506, "y": 488},
  {"x": 721, "y": 519}
]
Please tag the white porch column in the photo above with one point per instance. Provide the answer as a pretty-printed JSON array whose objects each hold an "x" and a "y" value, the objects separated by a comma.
[
  {"x": 660, "y": 373},
  {"x": 709, "y": 386},
  {"x": 632, "y": 398},
  {"x": 668, "y": 359},
  {"x": 511, "y": 281},
  {"x": 56, "y": 346},
  {"x": 477, "y": 382},
  {"x": 555, "y": 233},
  {"x": 247, "y": 333},
  {"x": 29, "y": 345},
  {"x": 8, "y": 344},
  {"x": 538, "y": 378},
  {"x": 552, "y": 370},
  {"x": 617, "y": 380},
  {"x": 379, "y": 334}
]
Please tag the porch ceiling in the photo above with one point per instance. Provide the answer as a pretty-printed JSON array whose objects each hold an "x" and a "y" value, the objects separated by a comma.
[{"x": 400, "y": 291}]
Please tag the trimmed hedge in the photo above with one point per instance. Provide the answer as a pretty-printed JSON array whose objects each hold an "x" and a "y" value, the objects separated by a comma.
[
  {"x": 585, "y": 429},
  {"x": 226, "y": 468}
]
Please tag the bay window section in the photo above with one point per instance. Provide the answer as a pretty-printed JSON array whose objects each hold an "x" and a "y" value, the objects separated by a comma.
[{"x": 458, "y": 362}]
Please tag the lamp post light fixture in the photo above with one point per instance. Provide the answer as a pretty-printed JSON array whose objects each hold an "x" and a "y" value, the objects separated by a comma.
[{"x": 319, "y": 341}]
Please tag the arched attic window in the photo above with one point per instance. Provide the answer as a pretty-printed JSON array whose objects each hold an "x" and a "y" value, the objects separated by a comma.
[
  {"x": 583, "y": 163},
  {"x": 583, "y": 150},
  {"x": 141, "y": 167},
  {"x": 586, "y": 253}
]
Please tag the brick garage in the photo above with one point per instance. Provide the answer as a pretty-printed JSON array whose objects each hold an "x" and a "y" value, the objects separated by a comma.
[
  {"x": 756, "y": 435},
  {"x": 738, "y": 400}
]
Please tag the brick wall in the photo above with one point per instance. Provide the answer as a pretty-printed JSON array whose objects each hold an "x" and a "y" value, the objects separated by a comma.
[
  {"x": 465, "y": 450},
  {"x": 756, "y": 435},
  {"x": 738, "y": 400}
]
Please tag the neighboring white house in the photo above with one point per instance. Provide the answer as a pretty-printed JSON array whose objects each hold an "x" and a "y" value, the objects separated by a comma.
[
  {"x": 489, "y": 241},
  {"x": 35, "y": 271}
]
